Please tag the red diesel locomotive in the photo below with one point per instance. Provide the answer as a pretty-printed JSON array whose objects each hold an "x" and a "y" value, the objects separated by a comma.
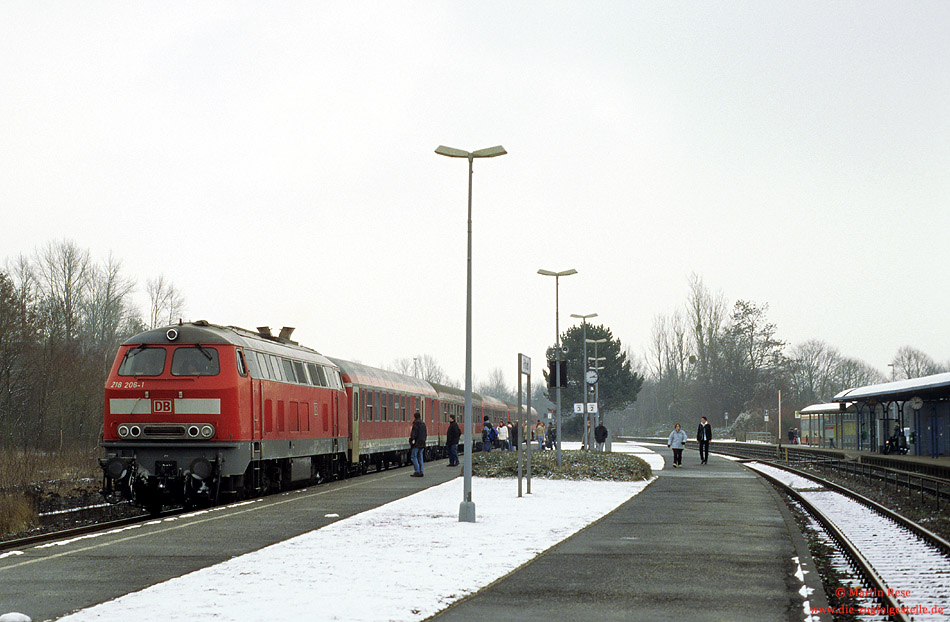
[{"x": 199, "y": 413}]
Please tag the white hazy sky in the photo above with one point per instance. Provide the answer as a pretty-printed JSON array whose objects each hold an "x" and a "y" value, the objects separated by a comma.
[{"x": 275, "y": 161}]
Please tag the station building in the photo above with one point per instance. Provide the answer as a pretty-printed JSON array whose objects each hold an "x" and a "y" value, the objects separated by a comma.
[{"x": 864, "y": 418}]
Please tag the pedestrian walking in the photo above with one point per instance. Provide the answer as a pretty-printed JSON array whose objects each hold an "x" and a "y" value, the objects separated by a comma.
[
  {"x": 703, "y": 436},
  {"x": 452, "y": 441},
  {"x": 677, "y": 442},
  {"x": 417, "y": 443},
  {"x": 539, "y": 435},
  {"x": 600, "y": 436}
]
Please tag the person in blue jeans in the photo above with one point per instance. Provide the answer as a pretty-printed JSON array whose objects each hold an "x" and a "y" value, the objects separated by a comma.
[
  {"x": 452, "y": 437},
  {"x": 417, "y": 443},
  {"x": 487, "y": 434}
]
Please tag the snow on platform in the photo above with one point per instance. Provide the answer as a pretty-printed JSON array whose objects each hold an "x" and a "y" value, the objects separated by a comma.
[{"x": 405, "y": 560}]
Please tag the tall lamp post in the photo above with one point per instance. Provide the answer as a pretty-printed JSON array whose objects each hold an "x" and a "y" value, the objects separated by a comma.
[
  {"x": 467, "y": 507},
  {"x": 585, "y": 366},
  {"x": 557, "y": 350}
]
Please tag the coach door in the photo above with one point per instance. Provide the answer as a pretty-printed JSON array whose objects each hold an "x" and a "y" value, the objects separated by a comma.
[{"x": 355, "y": 427}]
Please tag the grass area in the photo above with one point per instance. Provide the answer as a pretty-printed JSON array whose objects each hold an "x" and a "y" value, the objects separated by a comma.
[
  {"x": 576, "y": 465},
  {"x": 29, "y": 475}
]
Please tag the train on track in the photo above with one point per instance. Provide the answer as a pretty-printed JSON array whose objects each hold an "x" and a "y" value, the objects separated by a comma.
[{"x": 199, "y": 413}]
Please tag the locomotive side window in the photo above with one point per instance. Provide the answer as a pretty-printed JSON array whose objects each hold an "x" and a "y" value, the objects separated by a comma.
[
  {"x": 288, "y": 370},
  {"x": 301, "y": 373},
  {"x": 195, "y": 361},
  {"x": 316, "y": 372},
  {"x": 275, "y": 368},
  {"x": 262, "y": 365},
  {"x": 142, "y": 361}
]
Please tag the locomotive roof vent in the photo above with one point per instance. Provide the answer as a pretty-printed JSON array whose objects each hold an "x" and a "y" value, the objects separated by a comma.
[
  {"x": 285, "y": 334},
  {"x": 264, "y": 331}
]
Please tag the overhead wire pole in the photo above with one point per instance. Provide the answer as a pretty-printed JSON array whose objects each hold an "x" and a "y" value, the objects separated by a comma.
[{"x": 467, "y": 507}]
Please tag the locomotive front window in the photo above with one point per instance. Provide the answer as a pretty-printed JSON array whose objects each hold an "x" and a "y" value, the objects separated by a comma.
[
  {"x": 195, "y": 362},
  {"x": 142, "y": 361}
]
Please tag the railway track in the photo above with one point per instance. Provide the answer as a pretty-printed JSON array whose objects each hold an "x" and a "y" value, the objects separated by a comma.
[
  {"x": 904, "y": 566},
  {"x": 74, "y": 532}
]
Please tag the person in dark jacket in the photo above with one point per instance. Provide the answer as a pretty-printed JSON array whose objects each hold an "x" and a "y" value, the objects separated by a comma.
[
  {"x": 600, "y": 435},
  {"x": 487, "y": 433},
  {"x": 417, "y": 443},
  {"x": 452, "y": 441},
  {"x": 703, "y": 436}
]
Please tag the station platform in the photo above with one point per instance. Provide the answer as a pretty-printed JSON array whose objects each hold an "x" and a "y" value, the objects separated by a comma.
[
  {"x": 925, "y": 465},
  {"x": 704, "y": 542}
]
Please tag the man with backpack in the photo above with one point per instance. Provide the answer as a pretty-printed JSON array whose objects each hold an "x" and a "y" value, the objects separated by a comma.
[{"x": 489, "y": 435}]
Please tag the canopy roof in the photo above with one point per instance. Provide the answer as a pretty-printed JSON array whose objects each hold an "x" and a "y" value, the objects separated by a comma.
[{"x": 932, "y": 387}]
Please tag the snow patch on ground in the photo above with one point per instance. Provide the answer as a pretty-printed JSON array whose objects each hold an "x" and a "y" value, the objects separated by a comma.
[{"x": 405, "y": 560}]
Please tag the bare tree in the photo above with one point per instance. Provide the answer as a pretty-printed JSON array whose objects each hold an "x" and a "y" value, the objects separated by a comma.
[
  {"x": 912, "y": 363},
  {"x": 165, "y": 302},
  {"x": 496, "y": 386},
  {"x": 64, "y": 271},
  {"x": 814, "y": 371}
]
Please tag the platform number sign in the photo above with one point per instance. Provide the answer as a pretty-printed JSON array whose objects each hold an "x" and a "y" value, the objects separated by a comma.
[{"x": 162, "y": 407}]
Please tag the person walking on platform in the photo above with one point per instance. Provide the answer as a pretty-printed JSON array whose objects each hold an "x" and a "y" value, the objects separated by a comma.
[
  {"x": 600, "y": 435},
  {"x": 677, "y": 442},
  {"x": 452, "y": 437},
  {"x": 703, "y": 436},
  {"x": 417, "y": 443}
]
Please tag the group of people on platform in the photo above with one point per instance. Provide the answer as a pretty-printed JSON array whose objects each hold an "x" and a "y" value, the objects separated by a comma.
[
  {"x": 677, "y": 442},
  {"x": 503, "y": 436}
]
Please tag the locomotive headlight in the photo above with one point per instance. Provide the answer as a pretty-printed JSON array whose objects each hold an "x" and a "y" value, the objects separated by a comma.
[
  {"x": 193, "y": 431},
  {"x": 171, "y": 334},
  {"x": 123, "y": 431},
  {"x": 207, "y": 431},
  {"x": 135, "y": 431}
]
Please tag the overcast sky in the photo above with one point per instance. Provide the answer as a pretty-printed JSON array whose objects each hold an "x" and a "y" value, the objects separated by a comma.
[{"x": 276, "y": 162}]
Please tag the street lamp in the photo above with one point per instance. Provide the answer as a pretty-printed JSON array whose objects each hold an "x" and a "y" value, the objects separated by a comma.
[
  {"x": 583, "y": 319},
  {"x": 557, "y": 350},
  {"x": 467, "y": 507}
]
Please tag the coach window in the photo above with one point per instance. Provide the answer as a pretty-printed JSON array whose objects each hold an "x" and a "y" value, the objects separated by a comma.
[
  {"x": 369, "y": 407},
  {"x": 196, "y": 361},
  {"x": 142, "y": 361},
  {"x": 396, "y": 409},
  {"x": 377, "y": 400},
  {"x": 385, "y": 408},
  {"x": 301, "y": 373}
]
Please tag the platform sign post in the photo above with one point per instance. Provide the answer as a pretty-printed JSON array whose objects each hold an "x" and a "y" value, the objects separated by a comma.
[{"x": 524, "y": 369}]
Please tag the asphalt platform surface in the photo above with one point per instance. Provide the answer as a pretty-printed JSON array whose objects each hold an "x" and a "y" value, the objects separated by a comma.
[
  {"x": 708, "y": 542},
  {"x": 48, "y": 582}
]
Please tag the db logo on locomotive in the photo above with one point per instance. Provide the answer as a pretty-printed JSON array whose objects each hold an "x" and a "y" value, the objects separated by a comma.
[{"x": 162, "y": 406}]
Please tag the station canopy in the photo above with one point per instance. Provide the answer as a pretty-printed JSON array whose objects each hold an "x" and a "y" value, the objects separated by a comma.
[
  {"x": 828, "y": 409},
  {"x": 929, "y": 388}
]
